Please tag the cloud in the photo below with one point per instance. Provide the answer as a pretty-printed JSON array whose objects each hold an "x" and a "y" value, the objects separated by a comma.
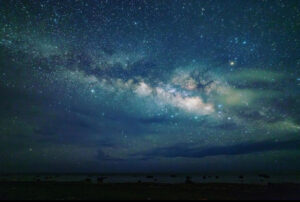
[
  {"x": 102, "y": 156},
  {"x": 281, "y": 127},
  {"x": 255, "y": 75},
  {"x": 238, "y": 149}
]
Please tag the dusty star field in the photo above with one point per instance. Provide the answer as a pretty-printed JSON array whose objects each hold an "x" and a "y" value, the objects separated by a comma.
[{"x": 150, "y": 86}]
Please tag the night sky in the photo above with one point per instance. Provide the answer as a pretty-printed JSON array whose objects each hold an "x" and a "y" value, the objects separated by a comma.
[{"x": 150, "y": 86}]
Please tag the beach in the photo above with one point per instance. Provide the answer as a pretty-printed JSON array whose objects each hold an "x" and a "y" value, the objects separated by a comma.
[{"x": 145, "y": 191}]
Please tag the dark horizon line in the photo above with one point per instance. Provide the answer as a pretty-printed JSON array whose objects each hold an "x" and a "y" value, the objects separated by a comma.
[{"x": 152, "y": 173}]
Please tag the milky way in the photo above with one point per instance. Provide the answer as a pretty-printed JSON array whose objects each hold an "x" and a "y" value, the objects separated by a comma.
[{"x": 149, "y": 86}]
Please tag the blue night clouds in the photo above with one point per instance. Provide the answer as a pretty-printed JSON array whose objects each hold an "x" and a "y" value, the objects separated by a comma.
[{"x": 149, "y": 86}]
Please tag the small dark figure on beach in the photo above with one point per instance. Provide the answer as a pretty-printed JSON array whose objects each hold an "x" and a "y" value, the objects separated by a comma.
[
  {"x": 100, "y": 180},
  {"x": 264, "y": 176},
  {"x": 188, "y": 180},
  {"x": 48, "y": 177},
  {"x": 88, "y": 180}
]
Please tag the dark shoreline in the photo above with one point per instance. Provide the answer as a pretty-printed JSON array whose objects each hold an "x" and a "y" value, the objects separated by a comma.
[{"x": 150, "y": 191}]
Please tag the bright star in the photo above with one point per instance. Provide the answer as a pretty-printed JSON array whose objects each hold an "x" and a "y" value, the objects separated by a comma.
[{"x": 231, "y": 63}]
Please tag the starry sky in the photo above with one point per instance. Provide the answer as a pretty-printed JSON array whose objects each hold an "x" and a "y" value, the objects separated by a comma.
[{"x": 150, "y": 86}]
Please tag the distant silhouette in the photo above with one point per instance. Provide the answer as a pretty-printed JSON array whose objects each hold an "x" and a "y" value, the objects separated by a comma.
[
  {"x": 172, "y": 175},
  {"x": 217, "y": 177},
  {"x": 149, "y": 176},
  {"x": 264, "y": 176},
  {"x": 100, "y": 180},
  {"x": 88, "y": 180},
  {"x": 241, "y": 177},
  {"x": 204, "y": 177},
  {"x": 188, "y": 180}
]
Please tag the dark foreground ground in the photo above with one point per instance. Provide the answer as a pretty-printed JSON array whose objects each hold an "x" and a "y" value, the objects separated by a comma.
[{"x": 146, "y": 191}]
